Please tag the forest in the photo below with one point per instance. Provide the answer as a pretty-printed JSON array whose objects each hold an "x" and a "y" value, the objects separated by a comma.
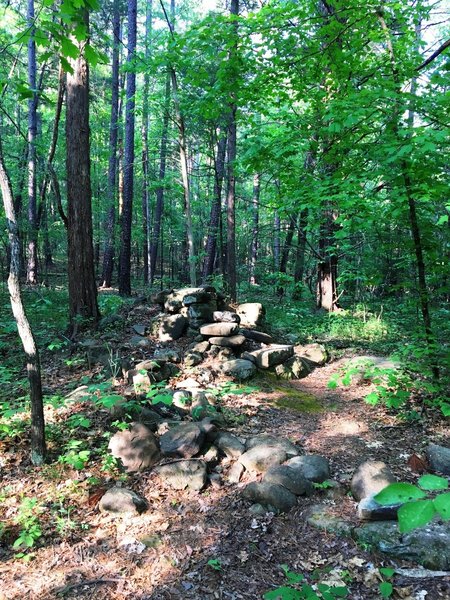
[{"x": 225, "y": 285}]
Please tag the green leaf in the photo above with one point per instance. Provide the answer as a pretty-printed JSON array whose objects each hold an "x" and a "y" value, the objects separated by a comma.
[
  {"x": 442, "y": 505},
  {"x": 387, "y": 572},
  {"x": 415, "y": 514},
  {"x": 372, "y": 398},
  {"x": 283, "y": 593},
  {"x": 442, "y": 219},
  {"x": 66, "y": 65},
  {"x": 386, "y": 589},
  {"x": 291, "y": 576},
  {"x": 397, "y": 493},
  {"x": 68, "y": 48},
  {"x": 433, "y": 482},
  {"x": 445, "y": 409}
]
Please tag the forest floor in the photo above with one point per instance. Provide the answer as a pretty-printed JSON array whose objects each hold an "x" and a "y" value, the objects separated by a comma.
[{"x": 206, "y": 545}]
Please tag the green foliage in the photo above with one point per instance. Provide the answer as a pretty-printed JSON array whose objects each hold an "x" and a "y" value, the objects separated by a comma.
[
  {"x": 74, "y": 455},
  {"x": 157, "y": 394},
  {"x": 215, "y": 563},
  {"x": 416, "y": 508},
  {"x": 28, "y": 519},
  {"x": 304, "y": 591}
]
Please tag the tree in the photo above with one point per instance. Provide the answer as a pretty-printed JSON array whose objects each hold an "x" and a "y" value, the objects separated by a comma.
[{"x": 80, "y": 262}]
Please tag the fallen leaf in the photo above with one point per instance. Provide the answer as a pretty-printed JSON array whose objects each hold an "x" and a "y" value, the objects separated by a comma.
[{"x": 417, "y": 464}]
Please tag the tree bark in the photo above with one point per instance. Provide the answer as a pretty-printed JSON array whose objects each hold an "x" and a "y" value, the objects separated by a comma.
[
  {"x": 108, "y": 256},
  {"x": 128, "y": 173},
  {"x": 255, "y": 228},
  {"x": 145, "y": 149},
  {"x": 32, "y": 265},
  {"x": 81, "y": 276},
  {"x": 38, "y": 448}
]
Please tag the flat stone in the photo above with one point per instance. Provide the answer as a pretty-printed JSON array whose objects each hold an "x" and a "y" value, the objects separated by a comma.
[
  {"x": 219, "y": 329},
  {"x": 439, "y": 458},
  {"x": 140, "y": 342},
  {"x": 257, "y": 336},
  {"x": 289, "y": 478},
  {"x": 225, "y": 316},
  {"x": 315, "y": 353},
  {"x": 136, "y": 448},
  {"x": 261, "y": 458},
  {"x": 201, "y": 347},
  {"x": 168, "y": 355},
  {"x": 229, "y": 444},
  {"x": 321, "y": 517},
  {"x": 238, "y": 369},
  {"x": 428, "y": 546},
  {"x": 140, "y": 329},
  {"x": 184, "y": 440},
  {"x": 235, "y": 473},
  {"x": 118, "y": 500},
  {"x": 184, "y": 474},
  {"x": 251, "y": 313},
  {"x": 293, "y": 368},
  {"x": 270, "y": 495},
  {"x": 265, "y": 439},
  {"x": 161, "y": 297},
  {"x": 370, "y": 478},
  {"x": 313, "y": 467},
  {"x": 271, "y": 356},
  {"x": 370, "y": 510},
  {"x": 232, "y": 341}
]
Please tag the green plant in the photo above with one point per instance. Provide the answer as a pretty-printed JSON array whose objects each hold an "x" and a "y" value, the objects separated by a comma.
[
  {"x": 28, "y": 519},
  {"x": 325, "y": 485},
  {"x": 77, "y": 421},
  {"x": 304, "y": 591},
  {"x": 386, "y": 588},
  {"x": 75, "y": 457},
  {"x": 159, "y": 393},
  {"x": 416, "y": 508},
  {"x": 215, "y": 563}
]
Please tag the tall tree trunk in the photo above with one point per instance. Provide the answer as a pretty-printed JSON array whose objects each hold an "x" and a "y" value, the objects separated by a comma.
[
  {"x": 145, "y": 150},
  {"x": 300, "y": 253},
  {"x": 327, "y": 297},
  {"x": 159, "y": 207},
  {"x": 286, "y": 249},
  {"x": 255, "y": 228},
  {"x": 128, "y": 174},
  {"x": 32, "y": 265},
  {"x": 81, "y": 275},
  {"x": 213, "y": 230},
  {"x": 276, "y": 241},
  {"x": 38, "y": 449},
  {"x": 108, "y": 256},
  {"x": 232, "y": 147}
]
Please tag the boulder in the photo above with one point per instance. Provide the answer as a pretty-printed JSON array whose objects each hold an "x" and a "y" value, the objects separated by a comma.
[
  {"x": 315, "y": 353},
  {"x": 229, "y": 444},
  {"x": 270, "y": 495},
  {"x": 225, "y": 354},
  {"x": 439, "y": 458},
  {"x": 200, "y": 347},
  {"x": 260, "y": 458},
  {"x": 271, "y": 356},
  {"x": 291, "y": 479},
  {"x": 219, "y": 329},
  {"x": 322, "y": 517},
  {"x": 167, "y": 355},
  {"x": 238, "y": 369},
  {"x": 182, "y": 398},
  {"x": 147, "y": 417},
  {"x": 184, "y": 440},
  {"x": 184, "y": 474},
  {"x": 428, "y": 546},
  {"x": 370, "y": 510},
  {"x": 313, "y": 467},
  {"x": 370, "y": 478},
  {"x": 171, "y": 328},
  {"x": 265, "y": 439},
  {"x": 136, "y": 448},
  {"x": 251, "y": 313},
  {"x": 118, "y": 500},
  {"x": 191, "y": 359},
  {"x": 293, "y": 368},
  {"x": 225, "y": 316},
  {"x": 235, "y": 473},
  {"x": 232, "y": 341},
  {"x": 201, "y": 312},
  {"x": 160, "y": 297}
]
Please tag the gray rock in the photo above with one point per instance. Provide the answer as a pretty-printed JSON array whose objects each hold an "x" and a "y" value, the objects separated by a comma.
[
  {"x": 172, "y": 328},
  {"x": 257, "y": 336},
  {"x": 229, "y": 444},
  {"x": 184, "y": 440},
  {"x": 315, "y": 353},
  {"x": 192, "y": 359},
  {"x": 121, "y": 500},
  {"x": 219, "y": 329},
  {"x": 293, "y": 368},
  {"x": 370, "y": 478},
  {"x": 147, "y": 417},
  {"x": 225, "y": 354},
  {"x": 167, "y": 355},
  {"x": 270, "y": 357},
  {"x": 110, "y": 321},
  {"x": 80, "y": 394},
  {"x": 257, "y": 510},
  {"x": 141, "y": 382},
  {"x": 201, "y": 312},
  {"x": 140, "y": 342},
  {"x": 225, "y": 316},
  {"x": 251, "y": 313},
  {"x": 289, "y": 478},
  {"x": 238, "y": 369},
  {"x": 232, "y": 341},
  {"x": 370, "y": 510},
  {"x": 235, "y": 473},
  {"x": 439, "y": 457},
  {"x": 270, "y": 495},
  {"x": 201, "y": 347},
  {"x": 182, "y": 398},
  {"x": 265, "y": 439},
  {"x": 261, "y": 458},
  {"x": 136, "y": 448},
  {"x": 313, "y": 467},
  {"x": 140, "y": 329},
  {"x": 321, "y": 517},
  {"x": 161, "y": 297},
  {"x": 210, "y": 454},
  {"x": 184, "y": 474},
  {"x": 428, "y": 546}
]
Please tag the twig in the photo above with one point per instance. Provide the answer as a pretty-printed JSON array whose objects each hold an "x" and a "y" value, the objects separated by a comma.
[{"x": 73, "y": 586}]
